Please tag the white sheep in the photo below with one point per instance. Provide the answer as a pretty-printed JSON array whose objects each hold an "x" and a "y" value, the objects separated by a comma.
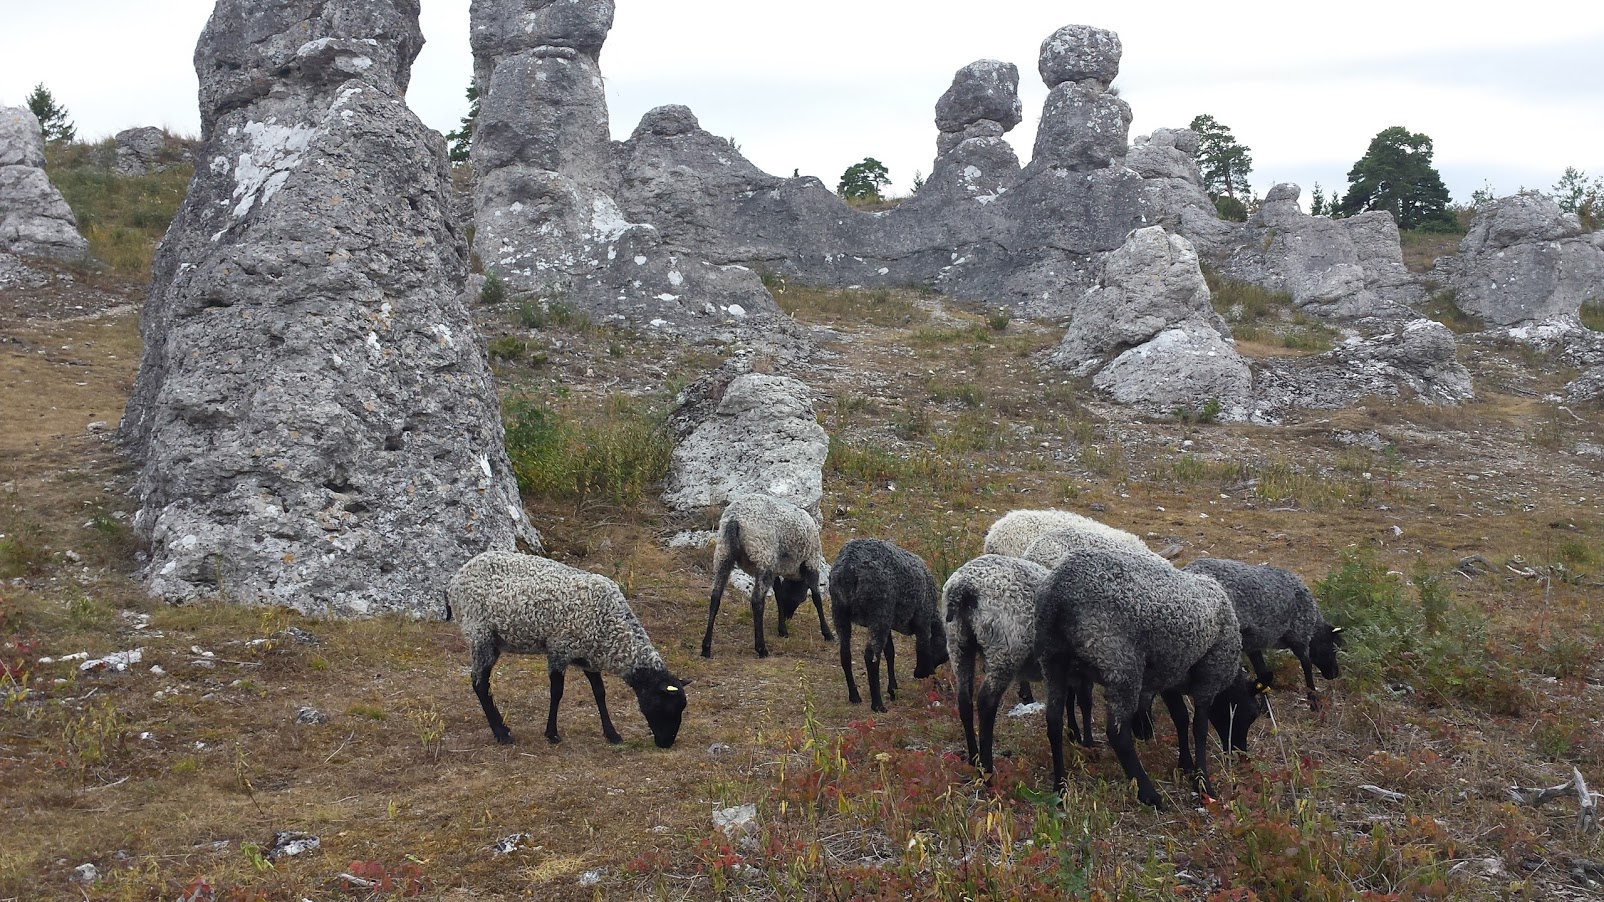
[
  {"x": 519, "y": 603},
  {"x": 777, "y": 543},
  {"x": 1055, "y": 545},
  {"x": 1275, "y": 609},
  {"x": 885, "y": 589},
  {"x": 1014, "y": 533},
  {"x": 1141, "y": 628},
  {"x": 990, "y": 606}
]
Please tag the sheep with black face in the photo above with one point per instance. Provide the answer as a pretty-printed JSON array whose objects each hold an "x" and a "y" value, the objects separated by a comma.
[
  {"x": 875, "y": 584},
  {"x": 518, "y": 603},
  {"x": 777, "y": 544}
]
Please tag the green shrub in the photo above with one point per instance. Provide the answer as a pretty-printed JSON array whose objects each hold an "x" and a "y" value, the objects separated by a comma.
[
  {"x": 552, "y": 314},
  {"x": 615, "y": 456},
  {"x": 508, "y": 347},
  {"x": 1230, "y": 209},
  {"x": 1592, "y": 315},
  {"x": 22, "y": 549},
  {"x": 494, "y": 290},
  {"x": 999, "y": 319},
  {"x": 1443, "y": 306}
]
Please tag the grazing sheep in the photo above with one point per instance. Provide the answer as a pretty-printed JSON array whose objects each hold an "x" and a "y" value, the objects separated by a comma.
[
  {"x": 777, "y": 543},
  {"x": 507, "y": 602},
  {"x": 1016, "y": 530},
  {"x": 877, "y": 585},
  {"x": 991, "y": 606},
  {"x": 1276, "y": 610},
  {"x": 1057, "y": 544},
  {"x": 1142, "y": 628}
]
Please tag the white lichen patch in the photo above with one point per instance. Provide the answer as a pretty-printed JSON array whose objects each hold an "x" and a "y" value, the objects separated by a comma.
[{"x": 275, "y": 151}]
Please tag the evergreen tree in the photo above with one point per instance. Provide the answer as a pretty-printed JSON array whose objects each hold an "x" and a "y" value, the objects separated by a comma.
[
  {"x": 863, "y": 181},
  {"x": 1396, "y": 175},
  {"x": 1225, "y": 163},
  {"x": 461, "y": 140},
  {"x": 52, "y": 117}
]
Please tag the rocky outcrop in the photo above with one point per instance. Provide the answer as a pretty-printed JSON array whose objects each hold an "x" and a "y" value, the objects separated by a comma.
[
  {"x": 1350, "y": 267},
  {"x": 1151, "y": 284},
  {"x": 146, "y": 150},
  {"x": 1525, "y": 260},
  {"x": 35, "y": 220},
  {"x": 983, "y": 102},
  {"x": 1187, "y": 367},
  {"x": 745, "y": 434},
  {"x": 1418, "y": 360},
  {"x": 314, "y": 419}
]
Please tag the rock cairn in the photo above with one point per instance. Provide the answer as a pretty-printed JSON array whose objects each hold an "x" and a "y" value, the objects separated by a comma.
[{"x": 314, "y": 419}]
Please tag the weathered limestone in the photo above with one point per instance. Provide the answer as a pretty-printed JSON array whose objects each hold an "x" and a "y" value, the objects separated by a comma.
[
  {"x": 983, "y": 102},
  {"x": 1525, "y": 260},
  {"x": 750, "y": 434},
  {"x": 142, "y": 151},
  {"x": 1184, "y": 367},
  {"x": 35, "y": 220},
  {"x": 314, "y": 419},
  {"x": 1417, "y": 360}
]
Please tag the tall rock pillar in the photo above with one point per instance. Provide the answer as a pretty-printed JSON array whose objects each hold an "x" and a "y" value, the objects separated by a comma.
[{"x": 314, "y": 418}]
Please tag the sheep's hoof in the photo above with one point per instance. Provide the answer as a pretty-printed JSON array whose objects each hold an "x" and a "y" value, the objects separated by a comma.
[
  {"x": 855, "y": 698},
  {"x": 828, "y": 636},
  {"x": 613, "y": 738},
  {"x": 1152, "y": 800},
  {"x": 762, "y": 651},
  {"x": 553, "y": 738},
  {"x": 880, "y": 708},
  {"x": 504, "y": 738},
  {"x": 707, "y": 651}
]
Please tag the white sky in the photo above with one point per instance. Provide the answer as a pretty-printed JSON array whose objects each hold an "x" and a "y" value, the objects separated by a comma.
[{"x": 1510, "y": 99}]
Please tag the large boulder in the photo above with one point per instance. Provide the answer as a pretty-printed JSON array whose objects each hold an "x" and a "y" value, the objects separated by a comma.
[
  {"x": 144, "y": 150},
  {"x": 1418, "y": 361},
  {"x": 1189, "y": 367},
  {"x": 1152, "y": 283},
  {"x": 35, "y": 220},
  {"x": 982, "y": 102},
  {"x": 1525, "y": 260},
  {"x": 1080, "y": 54},
  {"x": 747, "y": 434},
  {"x": 314, "y": 419}
]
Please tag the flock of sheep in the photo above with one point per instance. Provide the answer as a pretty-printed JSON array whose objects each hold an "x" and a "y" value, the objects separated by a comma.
[{"x": 1057, "y": 598}]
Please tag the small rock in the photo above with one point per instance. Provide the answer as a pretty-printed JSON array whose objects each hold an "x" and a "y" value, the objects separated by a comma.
[
  {"x": 739, "y": 823},
  {"x": 509, "y": 844},
  {"x": 718, "y": 748},
  {"x": 1026, "y": 710},
  {"x": 97, "y": 426},
  {"x": 288, "y": 844},
  {"x": 85, "y": 874},
  {"x": 309, "y": 715},
  {"x": 591, "y": 877}
]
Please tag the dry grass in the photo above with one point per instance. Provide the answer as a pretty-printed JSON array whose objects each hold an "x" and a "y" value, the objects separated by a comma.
[
  {"x": 1458, "y": 687},
  {"x": 1421, "y": 249}
]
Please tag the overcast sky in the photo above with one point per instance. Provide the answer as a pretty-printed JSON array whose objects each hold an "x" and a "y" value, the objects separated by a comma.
[{"x": 1509, "y": 100}]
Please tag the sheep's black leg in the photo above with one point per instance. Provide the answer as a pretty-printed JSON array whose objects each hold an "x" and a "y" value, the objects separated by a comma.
[
  {"x": 963, "y": 670},
  {"x": 1083, "y": 695},
  {"x": 891, "y": 668},
  {"x": 557, "y": 677},
  {"x": 1177, "y": 704},
  {"x": 1056, "y": 678},
  {"x": 991, "y": 693},
  {"x": 1261, "y": 669},
  {"x": 872, "y": 650},
  {"x": 812, "y": 577},
  {"x": 843, "y": 627},
  {"x": 1025, "y": 696},
  {"x": 1200, "y": 739},
  {"x": 760, "y": 593},
  {"x": 1123, "y": 701},
  {"x": 720, "y": 577},
  {"x": 600, "y": 692},
  {"x": 1302, "y": 651},
  {"x": 484, "y": 658}
]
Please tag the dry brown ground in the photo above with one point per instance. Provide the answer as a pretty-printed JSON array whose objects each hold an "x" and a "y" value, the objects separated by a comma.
[{"x": 161, "y": 778}]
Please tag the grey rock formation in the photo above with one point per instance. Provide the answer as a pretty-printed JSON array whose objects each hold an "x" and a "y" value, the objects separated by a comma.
[
  {"x": 758, "y": 434},
  {"x": 35, "y": 220},
  {"x": 1418, "y": 360},
  {"x": 1351, "y": 267},
  {"x": 1081, "y": 128},
  {"x": 1589, "y": 386},
  {"x": 983, "y": 102},
  {"x": 1172, "y": 188},
  {"x": 1152, "y": 283},
  {"x": 314, "y": 419},
  {"x": 1080, "y": 54},
  {"x": 141, "y": 151},
  {"x": 1525, "y": 260},
  {"x": 1184, "y": 367}
]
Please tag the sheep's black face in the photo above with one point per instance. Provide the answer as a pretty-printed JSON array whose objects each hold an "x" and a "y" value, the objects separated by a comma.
[
  {"x": 1323, "y": 650},
  {"x": 1235, "y": 710},
  {"x": 930, "y": 652},
  {"x": 663, "y": 703},
  {"x": 789, "y": 595}
]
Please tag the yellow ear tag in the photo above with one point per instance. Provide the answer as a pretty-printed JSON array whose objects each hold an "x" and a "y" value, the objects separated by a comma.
[
  {"x": 1336, "y": 629},
  {"x": 671, "y": 688},
  {"x": 1261, "y": 686}
]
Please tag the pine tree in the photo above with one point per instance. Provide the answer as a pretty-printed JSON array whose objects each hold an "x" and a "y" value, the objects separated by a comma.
[
  {"x": 1396, "y": 175},
  {"x": 1224, "y": 162},
  {"x": 863, "y": 181},
  {"x": 52, "y": 117},
  {"x": 461, "y": 140}
]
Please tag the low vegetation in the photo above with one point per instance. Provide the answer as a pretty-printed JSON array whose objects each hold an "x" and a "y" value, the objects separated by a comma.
[{"x": 122, "y": 217}]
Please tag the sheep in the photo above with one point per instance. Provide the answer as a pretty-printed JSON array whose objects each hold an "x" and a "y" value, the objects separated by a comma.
[
  {"x": 519, "y": 603},
  {"x": 1141, "y": 628},
  {"x": 777, "y": 543},
  {"x": 1015, "y": 531},
  {"x": 1275, "y": 609},
  {"x": 877, "y": 585},
  {"x": 990, "y": 603},
  {"x": 1055, "y": 545}
]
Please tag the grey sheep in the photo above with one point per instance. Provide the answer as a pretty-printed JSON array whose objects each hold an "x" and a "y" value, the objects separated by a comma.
[
  {"x": 1275, "y": 609},
  {"x": 875, "y": 584},
  {"x": 991, "y": 614},
  {"x": 1015, "y": 531},
  {"x": 518, "y": 603},
  {"x": 1142, "y": 628},
  {"x": 777, "y": 543}
]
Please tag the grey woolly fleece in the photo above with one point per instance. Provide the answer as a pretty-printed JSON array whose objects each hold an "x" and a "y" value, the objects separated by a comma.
[
  {"x": 1053, "y": 547},
  {"x": 875, "y": 584},
  {"x": 1016, "y": 530},
  {"x": 1141, "y": 626},
  {"x": 534, "y": 605},
  {"x": 996, "y": 613},
  {"x": 775, "y": 536},
  {"x": 1274, "y": 608}
]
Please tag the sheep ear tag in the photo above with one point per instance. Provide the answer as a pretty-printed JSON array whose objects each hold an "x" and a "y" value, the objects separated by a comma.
[
  {"x": 1261, "y": 687},
  {"x": 1336, "y": 629},
  {"x": 670, "y": 688}
]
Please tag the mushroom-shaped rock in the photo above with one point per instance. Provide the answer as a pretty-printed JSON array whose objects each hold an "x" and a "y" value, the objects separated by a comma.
[{"x": 1080, "y": 53}]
